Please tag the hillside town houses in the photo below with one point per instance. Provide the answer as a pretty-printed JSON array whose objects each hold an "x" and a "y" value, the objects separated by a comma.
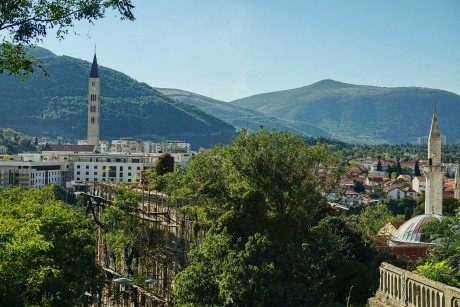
[{"x": 363, "y": 185}]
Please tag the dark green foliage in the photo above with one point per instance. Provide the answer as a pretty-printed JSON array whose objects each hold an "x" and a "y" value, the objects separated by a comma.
[
  {"x": 449, "y": 206},
  {"x": 379, "y": 166},
  {"x": 225, "y": 272},
  {"x": 25, "y": 23},
  {"x": 403, "y": 206},
  {"x": 270, "y": 241},
  {"x": 57, "y": 106},
  {"x": 443, "y": 261},
  {"x": 164, "y": 164},
  {"x": 417, "y": 169},
  {"x": 16, "y": 142},
  {"x": 358, "y": 186},
  {"x": 398, "y": 168},
  {"x": 361, "y": 114},
  {"x": 47, "y": 252}
]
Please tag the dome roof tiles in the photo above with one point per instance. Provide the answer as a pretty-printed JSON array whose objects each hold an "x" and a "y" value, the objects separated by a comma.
[{"x": 412, "y": 231}]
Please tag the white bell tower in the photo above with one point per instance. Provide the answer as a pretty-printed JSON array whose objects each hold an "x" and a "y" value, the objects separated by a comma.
[{"x": 94, "y": 89}]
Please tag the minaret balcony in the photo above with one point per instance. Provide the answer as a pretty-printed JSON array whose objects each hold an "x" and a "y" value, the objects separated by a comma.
[{"x": 434, "y": 169}]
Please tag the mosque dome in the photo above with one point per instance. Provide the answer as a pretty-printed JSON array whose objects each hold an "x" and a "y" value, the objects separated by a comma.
[{"x": 412, "y": 231}]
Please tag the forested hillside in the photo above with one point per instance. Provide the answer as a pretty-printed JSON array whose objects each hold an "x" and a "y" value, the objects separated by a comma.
[
  {"x": 16, "y": 142},
  {"x": 57, "y": 106},
  {"x": 241, "y": 117},
  {"x": 363, "y": 114}
]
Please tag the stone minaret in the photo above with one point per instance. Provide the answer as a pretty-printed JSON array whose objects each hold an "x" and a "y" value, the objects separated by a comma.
[
  {"x": 457, "y": 182},
  {"x": 94, "y": 89},
  {"x": 435, "y": 171}
]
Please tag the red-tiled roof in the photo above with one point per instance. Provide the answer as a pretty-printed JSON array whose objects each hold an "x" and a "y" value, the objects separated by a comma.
[
  {"x": 350, "y": 192},
  {"x": 376, "y": 179},
  {"x": 409, "y": 189}
]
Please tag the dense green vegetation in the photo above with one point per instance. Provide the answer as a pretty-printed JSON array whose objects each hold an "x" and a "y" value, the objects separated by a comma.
[
  {"x": 46, "y": 250},
  {"x": 362, "y": 114},
  {"x": 16, "y": 142},
  {"x": 443, "y": 263},
  {"x": 269, "y": 238},
  {"x": 450, "y": 152},
  {"x": 57, "y": 106},
  {"x": 26, "y": 23}
]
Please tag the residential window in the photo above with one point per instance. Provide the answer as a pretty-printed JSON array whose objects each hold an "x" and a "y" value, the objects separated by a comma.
[
  {"x": 138, "y": 168},
  {"x": 92, "y": 120},
  {"x": 78, "y": 173},
  {"x": 78, "y": 166},
  {"x": 129, "y": 174},
  {"x": 95, "y": 166},
  {"x": 92, "y": 108},
  {"x": 129, "y": 168},
  {"x": 87, "y": 173},
  {"x": 87, "y": 167},
  {"x": 121, "y": 168},
  {"x": 121, "y": 174},
  {"x": 95, "y": 173}
]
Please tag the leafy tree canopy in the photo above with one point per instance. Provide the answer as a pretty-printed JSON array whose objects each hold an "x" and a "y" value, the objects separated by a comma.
[
  {"x": 269, "y": 241},
  {"x": 25, "y": 23},
  {"x": 47, "y": 250},
  {"x": 443, "y": 261},
  {"x": 164, "y": 164}
]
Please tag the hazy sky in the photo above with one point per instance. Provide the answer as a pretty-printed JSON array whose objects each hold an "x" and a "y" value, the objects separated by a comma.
[{"x": 229, "y": 49}]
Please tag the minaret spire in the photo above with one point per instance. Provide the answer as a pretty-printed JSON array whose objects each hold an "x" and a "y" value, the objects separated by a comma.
[
  {"x": 435, "y": 171},
  {"x": 457, "y": 182}
]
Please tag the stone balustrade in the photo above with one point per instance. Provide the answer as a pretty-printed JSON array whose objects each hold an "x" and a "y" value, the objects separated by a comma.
[{"x": 399, "y": 287}]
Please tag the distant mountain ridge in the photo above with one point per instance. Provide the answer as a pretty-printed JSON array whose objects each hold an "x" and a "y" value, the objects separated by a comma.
[
  {"x": 241, "y": 117},
  {"x": 57, "y": 106},
  {"x": 360, "y": 113}
]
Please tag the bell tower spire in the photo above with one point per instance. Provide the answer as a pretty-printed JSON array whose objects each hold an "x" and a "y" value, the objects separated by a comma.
[{"x": 94, "y": 89}]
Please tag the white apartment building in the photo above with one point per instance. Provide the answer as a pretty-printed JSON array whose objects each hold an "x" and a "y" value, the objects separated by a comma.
[
  {"x": 31, "y": 174},
  {"x": 114, "y": 167},
  {"x": 130, "y": 145},
  {"x": 109, "y": 167}
]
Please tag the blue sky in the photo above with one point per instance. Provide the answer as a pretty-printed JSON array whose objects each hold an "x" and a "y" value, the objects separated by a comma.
[{"x": 230, "y": 49}]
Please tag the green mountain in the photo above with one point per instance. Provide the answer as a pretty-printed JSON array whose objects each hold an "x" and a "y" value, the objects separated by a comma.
[
  {"x": 363, "y": 114},
  {"x": 241, "y": 117},
  {"x": 56, "y": 105}
]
